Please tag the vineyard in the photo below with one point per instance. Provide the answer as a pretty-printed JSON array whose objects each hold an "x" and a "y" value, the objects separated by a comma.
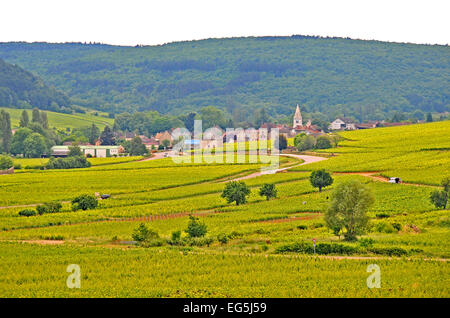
[{"x": 258, "y": 249}]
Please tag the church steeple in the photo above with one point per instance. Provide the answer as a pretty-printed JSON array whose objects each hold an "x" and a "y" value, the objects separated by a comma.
[{"x": 298, "y": 121}]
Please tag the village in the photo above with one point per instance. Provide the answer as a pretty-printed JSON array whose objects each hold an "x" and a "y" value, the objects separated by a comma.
[{"x": 164, "y": 140}]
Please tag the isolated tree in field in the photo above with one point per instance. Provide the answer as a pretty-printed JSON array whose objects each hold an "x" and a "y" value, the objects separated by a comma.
[
  {"x": 142, "y": 233},
  {"x": 440, "y": 198},
  {"x": 24, "y": 119},
  {"x": 268, "y": 190},
  {"x": 320, "y": 179},
  {"x": 236, "y": 191},
  {"x": 84, "y": 202},
  {"x": 107, "y": 137},
  {"x": 348, "y": 209},
  {"x": 196, "y": 228}
]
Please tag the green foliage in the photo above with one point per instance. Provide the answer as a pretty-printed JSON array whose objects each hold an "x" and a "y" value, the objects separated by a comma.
[
  {"x": 74, "y": 151},
  {"x": 84, "y": 202},
  {"x": 236, "y": 191},
  {"x": 71, "y": 162},
  {"x": 320, "y": 179},
  {"x": 304, "y": 142},
  {"x": 20, "y": 87},
  {"x": 323, "y": 142},
  {"x": 34, "y": 146},
  {"x": 268, "y": 190},
  {"x": 176, "y": 237},
  {"x": 143, "y": 234},
  {"x": 244, "y": 73},
  {"x": 49, "y": 207},
  {"x": 5, "y": 132},
  {"x": 439, "y": 199},
  {"x": 5, "y": 162},
  {"x": 24, "y": 119},
  {"x": 196, "y": 228},
  {"x": 27, "y": 212},
  {"x": 222, "y": 238},
  {"x": 348, "y": 208},
  {"x": 282, "y": 144},
  {"x": 107, "y": 137},
  {"x": 135, "y": 147}
]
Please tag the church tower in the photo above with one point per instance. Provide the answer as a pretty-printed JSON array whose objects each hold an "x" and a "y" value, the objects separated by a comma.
[{"x": 298, "y": 121}]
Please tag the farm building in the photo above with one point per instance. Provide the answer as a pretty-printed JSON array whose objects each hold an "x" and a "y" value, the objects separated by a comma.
[{"x": 94, "y": 151}]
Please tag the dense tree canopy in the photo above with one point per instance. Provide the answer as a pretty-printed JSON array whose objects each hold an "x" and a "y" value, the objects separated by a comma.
[{"x": 327, "y": 76}]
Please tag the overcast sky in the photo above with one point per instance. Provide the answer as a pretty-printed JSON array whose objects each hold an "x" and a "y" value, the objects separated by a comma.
[{"x": 131, "y": 22}]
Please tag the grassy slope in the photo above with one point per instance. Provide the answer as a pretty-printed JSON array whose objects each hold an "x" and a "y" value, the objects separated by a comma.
[{"x": 62, "y": 121}]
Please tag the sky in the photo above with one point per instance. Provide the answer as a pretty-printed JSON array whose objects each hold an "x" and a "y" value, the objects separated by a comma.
[{"x": 151, "y": 22}]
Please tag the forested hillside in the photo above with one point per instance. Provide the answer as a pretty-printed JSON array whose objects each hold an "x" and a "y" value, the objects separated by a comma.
[
  {"x": 333, "y": 76},
  {"x": 20, "y": 88}
]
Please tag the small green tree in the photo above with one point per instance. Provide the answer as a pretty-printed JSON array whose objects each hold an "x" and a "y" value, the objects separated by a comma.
[
  {"x": 348, "y": 209},
  {"x": 323, "y": 142},
  {"x": 268, "y": 190},
  {"x": 236, "y": 191},
  {"x": 196, "y": 228},
  {"x": 429, "y": 118},
  {"x": 34, "y": 146},
  {"x": 440, "y": 198},
  {"x": 320, "y": 179},
  {"x": 84, "y": 202},
  {"x": 143, "y": 234}
]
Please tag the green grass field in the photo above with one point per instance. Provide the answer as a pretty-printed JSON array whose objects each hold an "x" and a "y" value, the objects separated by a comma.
[
  {"x": 62, "y": 121},
  {"x": 409, "y": 235}
]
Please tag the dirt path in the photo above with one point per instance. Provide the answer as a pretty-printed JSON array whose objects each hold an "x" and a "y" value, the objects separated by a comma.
[
  {"x": 156, "y": 155},
  {"x": 292, "y": 218},
  {"x": 374, "y": 175}
]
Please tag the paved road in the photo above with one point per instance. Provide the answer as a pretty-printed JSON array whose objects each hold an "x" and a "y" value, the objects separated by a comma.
[{"x": 306, "y": 160}]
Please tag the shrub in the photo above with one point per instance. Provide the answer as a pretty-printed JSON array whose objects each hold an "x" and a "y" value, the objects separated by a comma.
[
  {"x": 389, "y": 251},
  {"x": 68, "y": 163},
  {"x": 27, "y": 212},
  {"x": 49, "y": 207},
  {"x": 382, "y": 215},
  {"x": 222, "y": 238},
  {"x": 143, "y": 234},
  {"x": 5, "y": 162},
  {"x": 198, "y": 241},
  {"x": 84, "y": 202},
  {"x": 302, "y": 227},
  {"x": 384, "y": 227},
  {"x": 366, "y": 242},
  {"x": 196, "y": 228},
  {"x": 176, "y": 237},
  {"x": 321, "y": 248}
]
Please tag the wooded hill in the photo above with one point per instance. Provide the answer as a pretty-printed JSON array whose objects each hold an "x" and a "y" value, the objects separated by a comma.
[
  {"x": 333, "y": 76},
  {"x": 20, "y": 88}
]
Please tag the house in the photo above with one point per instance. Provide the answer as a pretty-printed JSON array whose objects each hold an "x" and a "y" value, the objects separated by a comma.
[
  {"x": 94, "y": 151},
  {"x": 368, "y": 125},
  {"x": 342, "y": 123},
  {"x": 161, "y": 136}
]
